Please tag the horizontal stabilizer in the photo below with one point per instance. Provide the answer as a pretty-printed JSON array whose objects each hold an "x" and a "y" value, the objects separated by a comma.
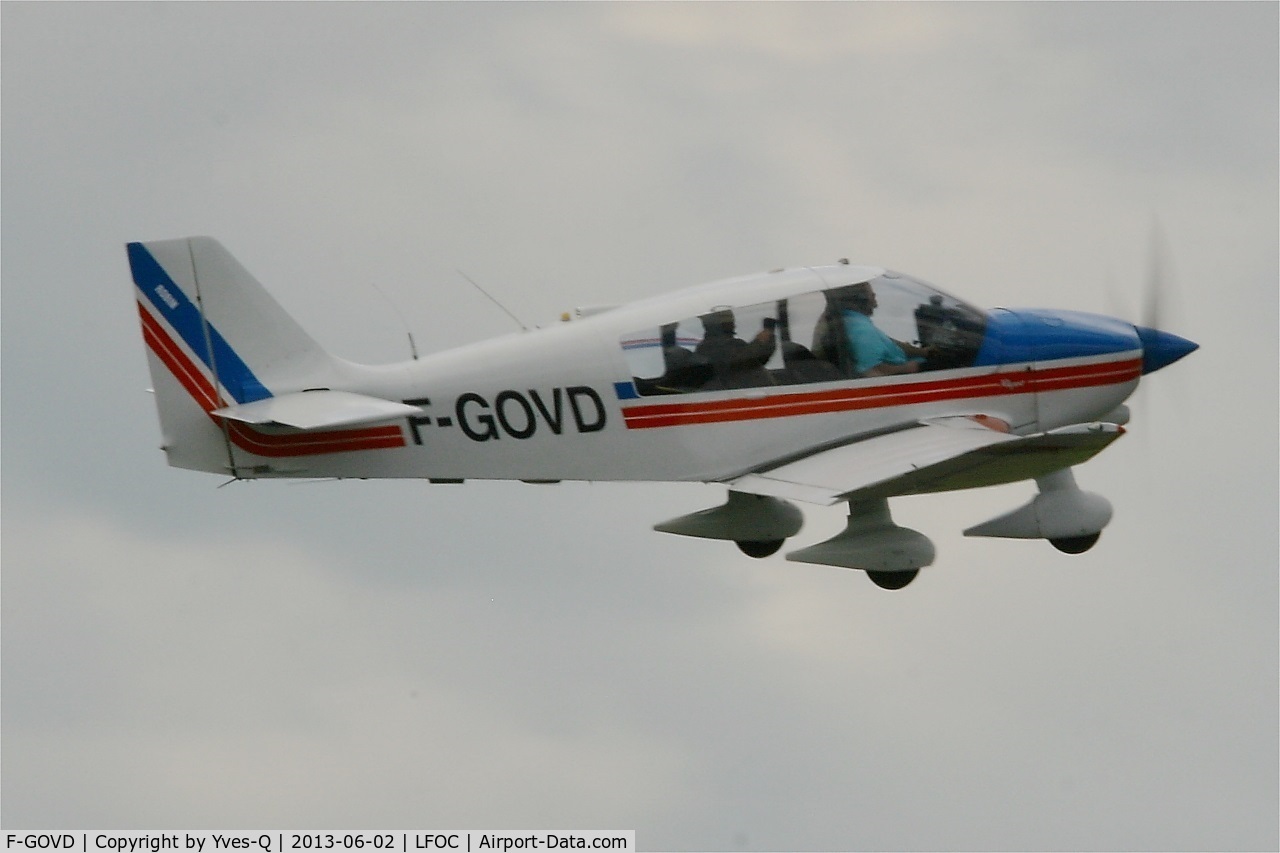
[{"x": 319, "y": 409}]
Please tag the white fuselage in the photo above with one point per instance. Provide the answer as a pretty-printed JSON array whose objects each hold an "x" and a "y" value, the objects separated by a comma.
[{"x": 554, "y": 403}]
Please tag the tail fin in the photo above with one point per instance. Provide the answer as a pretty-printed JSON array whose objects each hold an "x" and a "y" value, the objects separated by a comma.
[{"x": 218, "y": 342}]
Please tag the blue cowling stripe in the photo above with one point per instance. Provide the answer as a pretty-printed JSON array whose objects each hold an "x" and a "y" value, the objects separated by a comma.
[
  {"x": 184, "y": 317},
  {"x": 1041, "y": 335}
]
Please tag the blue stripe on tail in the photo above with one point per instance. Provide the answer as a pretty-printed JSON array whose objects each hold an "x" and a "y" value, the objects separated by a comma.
[{"x": 184, "y": 317}]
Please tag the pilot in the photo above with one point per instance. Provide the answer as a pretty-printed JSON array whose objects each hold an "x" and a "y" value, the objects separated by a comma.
[
  {"x": 872, "y": 351},
  {"x": 735, "y": 363}
]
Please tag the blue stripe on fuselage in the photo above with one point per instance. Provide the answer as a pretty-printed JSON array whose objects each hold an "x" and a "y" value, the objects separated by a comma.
[
  {"x": 184, "y": 317},
  {"x": 1040, "y": 335}
]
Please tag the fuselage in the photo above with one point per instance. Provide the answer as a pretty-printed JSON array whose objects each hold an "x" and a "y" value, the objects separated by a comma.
[{"x": 619, "y": 395}]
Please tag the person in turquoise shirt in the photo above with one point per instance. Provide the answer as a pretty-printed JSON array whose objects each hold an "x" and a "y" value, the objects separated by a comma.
[{"x": 873, "y": 352}]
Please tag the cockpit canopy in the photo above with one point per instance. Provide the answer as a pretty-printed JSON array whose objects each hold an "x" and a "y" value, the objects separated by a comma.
[{"x": 805, "y": 339}]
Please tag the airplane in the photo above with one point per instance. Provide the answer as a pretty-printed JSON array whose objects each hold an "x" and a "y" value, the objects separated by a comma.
[{"x": 824, "y": 385}]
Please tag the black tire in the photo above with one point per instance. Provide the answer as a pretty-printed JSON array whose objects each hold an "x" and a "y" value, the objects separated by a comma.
[
  {"x": 1075, "y": 544},
  {"x": 765, "y": 548},
  {"x": 892, "y": 580}
]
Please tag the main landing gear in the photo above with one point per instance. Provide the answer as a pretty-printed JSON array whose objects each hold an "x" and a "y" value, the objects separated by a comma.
[
  {"x": 760, "y": 548},
  {"x": 1075, "y": 544},
  {"x": 892, "y": 580},
  {"x": 891, "y": 556},
  {"x": 757, "y": 524}
]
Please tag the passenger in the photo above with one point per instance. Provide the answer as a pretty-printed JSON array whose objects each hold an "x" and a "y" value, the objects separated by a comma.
[
  {"x": 684, "y": 371},
  {"x": 736, "y": 363},
  {"x": 872, "y": 351}
]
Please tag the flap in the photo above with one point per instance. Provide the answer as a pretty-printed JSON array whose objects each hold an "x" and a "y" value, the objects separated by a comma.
[
  {"x": 936, "y": 455},
  {"x": 318, "y": 409}
]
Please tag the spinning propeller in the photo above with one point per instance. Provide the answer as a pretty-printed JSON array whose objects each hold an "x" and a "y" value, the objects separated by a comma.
[{"x": 1159, "y": 348}]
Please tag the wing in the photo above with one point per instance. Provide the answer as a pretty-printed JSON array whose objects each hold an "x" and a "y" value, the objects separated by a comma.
[{"x": 935, "y": 455}]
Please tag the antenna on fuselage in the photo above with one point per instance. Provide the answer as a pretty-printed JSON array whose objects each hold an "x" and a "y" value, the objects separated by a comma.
[
  {"x": 413, "y": 348},
  {"x": 490, "y": 297}
]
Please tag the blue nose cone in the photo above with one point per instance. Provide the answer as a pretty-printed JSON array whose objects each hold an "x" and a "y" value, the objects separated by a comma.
[{"x": 1160, "y": 349}]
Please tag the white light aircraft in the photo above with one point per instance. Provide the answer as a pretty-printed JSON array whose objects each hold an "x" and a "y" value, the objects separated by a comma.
[{"x": 824, "y": 385}]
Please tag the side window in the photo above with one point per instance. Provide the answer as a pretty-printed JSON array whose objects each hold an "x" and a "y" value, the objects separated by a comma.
[
  {"x": 838, "y": 334},
  {"x": 723, "y": 349},
  {"x": 664, "y": 360},
  {"x": 751, "y": 346}
]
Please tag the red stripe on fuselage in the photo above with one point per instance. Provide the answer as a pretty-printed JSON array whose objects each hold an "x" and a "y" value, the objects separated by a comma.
[
  {"x": 244, "y": 436},
  {"x": 881, "y": 396}
]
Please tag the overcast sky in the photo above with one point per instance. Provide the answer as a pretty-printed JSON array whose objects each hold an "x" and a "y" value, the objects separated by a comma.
[{"x": 501, "y": 655}]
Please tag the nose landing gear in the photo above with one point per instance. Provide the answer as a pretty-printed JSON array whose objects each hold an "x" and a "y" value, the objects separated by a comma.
[{"x": 1070, "y": 518}]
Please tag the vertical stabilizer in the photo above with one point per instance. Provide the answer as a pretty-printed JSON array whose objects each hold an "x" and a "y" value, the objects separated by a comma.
[{"x": 215, "y": 338}]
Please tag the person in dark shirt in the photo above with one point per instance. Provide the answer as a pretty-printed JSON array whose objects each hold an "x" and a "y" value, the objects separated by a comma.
[{"x": 735, "y": 363}]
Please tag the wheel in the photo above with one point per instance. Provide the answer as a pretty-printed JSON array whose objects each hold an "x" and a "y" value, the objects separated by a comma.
[
  {"x": 760, "y": 549},
  {"x": 892, "y": 580},
  {"x": 1075, "y": 544}
]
